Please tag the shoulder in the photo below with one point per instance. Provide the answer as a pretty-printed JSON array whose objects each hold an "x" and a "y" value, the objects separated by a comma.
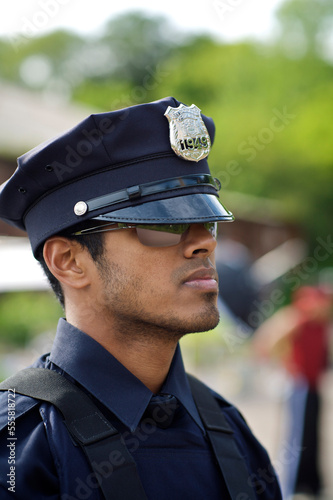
[
  {"x": 15, "y": 405},
  {"x": 262, "y": 475},
  {"x": 207, "y": 398},
  {"x": 28, "y": 458},
  {"x": 243, "y": 434}
]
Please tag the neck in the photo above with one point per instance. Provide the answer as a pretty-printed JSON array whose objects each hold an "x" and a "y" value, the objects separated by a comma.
[
  {"x": 149, "y": 363},
  {"x": 146, "y": 354}
]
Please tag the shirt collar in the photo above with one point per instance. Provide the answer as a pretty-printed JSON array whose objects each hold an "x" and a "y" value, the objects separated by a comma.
[{"x": 109, "y": 381}]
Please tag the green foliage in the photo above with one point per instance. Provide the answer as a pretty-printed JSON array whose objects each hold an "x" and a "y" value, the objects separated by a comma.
[
  {"x": 305, "y": 27},
  {"x": 137, "y": 42},
  {"x": 273, "y": 120},
  {"x": 26, "y": 314},
  {"x": 104, "y": 94},
  {"x": 56, "y": 47}
]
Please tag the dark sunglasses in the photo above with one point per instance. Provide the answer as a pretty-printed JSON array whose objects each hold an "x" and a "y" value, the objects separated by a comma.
[{"x": 151, "y": 235}]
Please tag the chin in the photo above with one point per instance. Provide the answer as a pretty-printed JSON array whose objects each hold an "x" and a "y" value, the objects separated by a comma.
[
  {"x": 204, "y": 322},
  {"x": 206, "y": 327}
]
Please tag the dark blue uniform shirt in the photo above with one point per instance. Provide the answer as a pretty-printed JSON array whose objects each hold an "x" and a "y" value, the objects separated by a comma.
[{"x": 174, "y": 462}]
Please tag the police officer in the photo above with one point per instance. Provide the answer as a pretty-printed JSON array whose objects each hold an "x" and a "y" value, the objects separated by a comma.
[{"x": 121, "y": 212}]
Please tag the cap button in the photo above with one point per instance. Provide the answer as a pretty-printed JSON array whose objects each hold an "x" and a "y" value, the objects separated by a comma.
[{"x": 80, "y": 208}]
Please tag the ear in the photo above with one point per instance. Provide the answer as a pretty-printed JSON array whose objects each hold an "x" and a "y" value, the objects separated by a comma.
[{"x": 67, "y": 261}]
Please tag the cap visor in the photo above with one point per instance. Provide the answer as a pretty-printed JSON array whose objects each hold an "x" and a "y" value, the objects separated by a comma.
[{"x": 193, "y": 208}]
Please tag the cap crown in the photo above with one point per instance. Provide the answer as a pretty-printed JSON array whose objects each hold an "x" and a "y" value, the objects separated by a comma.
[{"x": 105, "y": 153}]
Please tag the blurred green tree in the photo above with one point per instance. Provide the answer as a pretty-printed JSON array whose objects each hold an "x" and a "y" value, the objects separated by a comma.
[
  {"x": 306, "y": 28},
  {"x": 24, "y": 315},
  {"x": 138, "y": 43}
]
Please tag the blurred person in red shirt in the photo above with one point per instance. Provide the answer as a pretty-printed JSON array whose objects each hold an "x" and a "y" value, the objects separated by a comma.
[{"x": 299, "y": 335}]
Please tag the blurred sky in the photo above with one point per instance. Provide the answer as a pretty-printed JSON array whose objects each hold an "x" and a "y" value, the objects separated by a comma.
[{"x": 227, "y": 19}]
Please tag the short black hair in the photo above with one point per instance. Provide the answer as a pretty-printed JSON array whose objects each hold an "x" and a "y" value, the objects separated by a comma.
[{"x": 95, "y": 246}]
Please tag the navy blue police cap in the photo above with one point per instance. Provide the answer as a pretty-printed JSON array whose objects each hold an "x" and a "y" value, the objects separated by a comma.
[{"x": 142, "y": 164}]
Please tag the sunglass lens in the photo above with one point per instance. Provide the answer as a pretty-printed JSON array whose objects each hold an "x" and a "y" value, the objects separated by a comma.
[
  {"x": 153, "y": 238},
  {"x": 166, "y": 235}
]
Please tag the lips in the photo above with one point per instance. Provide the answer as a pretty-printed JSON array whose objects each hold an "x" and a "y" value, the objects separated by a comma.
[{"x": 203, "y": 279}]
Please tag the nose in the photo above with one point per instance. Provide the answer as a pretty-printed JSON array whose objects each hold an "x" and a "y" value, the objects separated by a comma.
[{"x": 198, "y": 241}]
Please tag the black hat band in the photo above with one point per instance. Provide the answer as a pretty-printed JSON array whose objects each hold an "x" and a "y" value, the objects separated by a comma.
[{"x": 139, "y": 191}]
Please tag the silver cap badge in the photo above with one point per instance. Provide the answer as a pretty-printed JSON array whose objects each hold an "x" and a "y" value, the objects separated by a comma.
[{"x": 189, "y": 136}]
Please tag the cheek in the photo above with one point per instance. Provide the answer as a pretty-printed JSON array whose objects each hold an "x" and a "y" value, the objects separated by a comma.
[
  {"x": 153, "y": 273},
  {"x": 152, "y": 280},
  {"x": 134, "y": 267}
]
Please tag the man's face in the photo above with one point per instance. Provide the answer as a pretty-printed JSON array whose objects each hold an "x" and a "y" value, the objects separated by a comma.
[{"x": 170, "y": 290}]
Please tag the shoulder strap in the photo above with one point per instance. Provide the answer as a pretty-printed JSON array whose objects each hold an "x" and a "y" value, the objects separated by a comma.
[
  {"x": 220, "y": 434},
  {"x": 113, "y": 465}
]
